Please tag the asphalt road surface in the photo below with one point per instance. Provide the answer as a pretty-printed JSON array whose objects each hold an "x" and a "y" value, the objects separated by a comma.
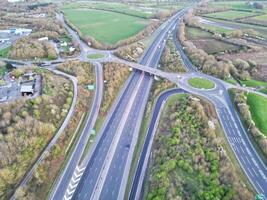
[{"x": 105, "y": 174}]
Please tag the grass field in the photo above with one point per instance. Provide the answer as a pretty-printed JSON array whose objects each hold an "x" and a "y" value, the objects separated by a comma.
[
  {"x": 257, "y": 106},
  {"x": 196, "y": 33},
  {"x": 216, "y": 29},
  {"x": 230, "y": 14},
  {"x": 4, "y": 52},
  {"x": 254, "y": 83},
  {"x": 201, "y": 83},
  {"x": 104, "y": 26},
  {"x": 264, "y": 91},
  {"x": 95, "y": 56}
]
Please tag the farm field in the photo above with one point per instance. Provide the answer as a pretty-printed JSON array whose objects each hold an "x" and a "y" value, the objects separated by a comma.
[
  {"x": 257, "y": 106},
  {"x": 261, "y": 17},
  {"x": 213, "y": 46},
  {"x": 240, "y": 5},
  {"x": 196, "y": 33},
  {"x": 230, "y": 15},
  {"x": 104, "y": 26},
  {"x": 237, "y": 25},
  {"x": 143, "y": 12}
]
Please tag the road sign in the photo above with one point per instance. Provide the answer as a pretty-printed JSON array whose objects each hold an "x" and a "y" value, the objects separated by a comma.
[
  {"x": 91, "y": 87},
  {"x": 259, "y": 197}
]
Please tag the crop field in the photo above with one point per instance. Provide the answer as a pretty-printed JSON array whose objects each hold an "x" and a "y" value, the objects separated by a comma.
[
  {"x": 196, "y": 33},
  {"x": 213, "y": 46},
  {"x": 257, "y": 106},
  {"x": 106, "y": 27},
  {"x": 230, "y": 15}
]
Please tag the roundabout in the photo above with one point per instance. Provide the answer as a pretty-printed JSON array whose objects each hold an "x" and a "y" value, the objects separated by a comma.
[{"x": 201, "y": 83}]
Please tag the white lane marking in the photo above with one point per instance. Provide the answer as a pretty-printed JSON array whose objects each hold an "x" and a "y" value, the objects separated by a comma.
[{"x": 259, "y": 186}]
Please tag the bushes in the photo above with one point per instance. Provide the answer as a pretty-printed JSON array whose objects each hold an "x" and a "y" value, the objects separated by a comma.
[
  {"x": 114, "y": 74},
  {"x": 187, "y": 161},
  {"x": 26, "y": 48},
  {"x": 170, "y": 60},
  {"x": 131, "y": 52},
  {"x": 25, "y": 128},
  {"x": 82, "y": 70}
]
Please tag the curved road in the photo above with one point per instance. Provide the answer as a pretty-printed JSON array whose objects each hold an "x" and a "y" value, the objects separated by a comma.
[
  {"x": 73, "y": 164},
  {"x": 140, "y": 173}
]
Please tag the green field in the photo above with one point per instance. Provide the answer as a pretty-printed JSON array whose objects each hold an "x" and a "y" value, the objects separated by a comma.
[
  {"x": 196, "y": 33},
  {"x": 216, "y": 29},
  {"x": 201, "y": 83},
  {"x": 3, "y": 70},
  {"x": 254, "y": 83},
  {"x": 95, "y": 56},
  {"x": 257, "y": 106},
  {"x": 238, "y": 5},
  {"x": 230, "y": 14},
  {"x": 264, "y": 90},
  {"x": 106, "y": 27},
  {"x": 115, "y": 7},
  {"x": 4, "y": 52}
]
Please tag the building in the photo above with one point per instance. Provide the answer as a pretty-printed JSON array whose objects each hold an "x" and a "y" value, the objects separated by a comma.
[
  {"x": 27, "y": 88},
  {"x": 4, "y": 40}
]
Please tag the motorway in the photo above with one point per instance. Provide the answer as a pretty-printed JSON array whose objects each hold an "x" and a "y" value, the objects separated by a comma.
[
  {"x": 104, "y": 172},
  {"x": 114, "y": 147}
]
